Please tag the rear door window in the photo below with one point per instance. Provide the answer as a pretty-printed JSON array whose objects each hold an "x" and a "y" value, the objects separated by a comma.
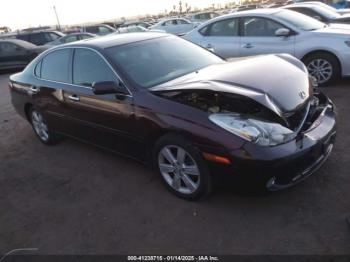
[
  {"x": 92, "y": 29},
  {"x": 71, "y": 38},
  {"x": 55, "y": 66},
  {"x": 228, "y": 27},
  {"x": 38, "y": 39}
]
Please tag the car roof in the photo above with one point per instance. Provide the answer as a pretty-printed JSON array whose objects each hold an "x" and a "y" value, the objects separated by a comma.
[
  {"x": 79, "y": 33},
  {"x": 302, "y": 4},
  {"x": 117, "y": 39},
  {"x": 255, "y": 12},
  {"x": 37, "y": 32},
  {"x": 261, "y": 11},
  {"x": 22, "y": 43},
  {"x": 266, "y": 11}
]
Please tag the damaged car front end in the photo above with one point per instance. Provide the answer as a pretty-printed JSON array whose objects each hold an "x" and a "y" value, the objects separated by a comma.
[{"x": 287, "y": 128}]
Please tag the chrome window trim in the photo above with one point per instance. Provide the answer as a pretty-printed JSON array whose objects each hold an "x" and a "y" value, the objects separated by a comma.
[{"x": 72, "y": 84}]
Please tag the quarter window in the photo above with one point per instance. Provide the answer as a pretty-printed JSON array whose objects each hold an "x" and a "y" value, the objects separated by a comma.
[
  {"x": 257, "y": 26},
  {"x": 89, "y": 67},
  {"x": 55, "y": 66}
]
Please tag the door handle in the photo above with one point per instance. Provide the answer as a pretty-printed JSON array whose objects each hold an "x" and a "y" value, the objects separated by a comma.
[
  {"x": 248, "y": 45},
  {"x": 210, "y": 48},
  {"x": 34, "y": 89},
  {"x": 74, "y": 98}
]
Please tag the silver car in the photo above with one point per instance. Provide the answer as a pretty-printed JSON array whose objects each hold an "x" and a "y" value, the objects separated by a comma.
[
  {"x": 324, "y": 49},
  {"x": 176, "y": 26}
]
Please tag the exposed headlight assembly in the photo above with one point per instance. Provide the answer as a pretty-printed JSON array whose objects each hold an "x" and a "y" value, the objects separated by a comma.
[{"x": 257, "y": 131}]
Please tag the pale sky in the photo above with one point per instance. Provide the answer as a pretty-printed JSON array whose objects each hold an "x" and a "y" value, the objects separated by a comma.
[{"x": 24, "y": 13}]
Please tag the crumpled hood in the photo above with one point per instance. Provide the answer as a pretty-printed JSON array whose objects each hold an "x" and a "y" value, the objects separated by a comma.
[{"x": 279, "y": 82}]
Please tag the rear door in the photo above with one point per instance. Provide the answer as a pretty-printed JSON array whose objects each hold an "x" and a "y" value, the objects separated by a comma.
[
  {"x": 258, "y": 37},
  {"x": 222, "y": 37},
  {"x": 53, "y": 72}
]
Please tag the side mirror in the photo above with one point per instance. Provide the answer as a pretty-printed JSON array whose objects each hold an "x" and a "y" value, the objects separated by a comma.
[
  {"x": 282, "y": 32},
  {"x": 317, "y": 17},
  {"x": 107, "y": 87}
]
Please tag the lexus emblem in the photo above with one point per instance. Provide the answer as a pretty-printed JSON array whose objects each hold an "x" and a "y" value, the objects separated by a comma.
[{"x": 302, "y": 94}]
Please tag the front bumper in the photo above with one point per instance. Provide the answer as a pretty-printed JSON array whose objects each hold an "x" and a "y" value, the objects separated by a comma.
[{"x": 285, "y": 165}]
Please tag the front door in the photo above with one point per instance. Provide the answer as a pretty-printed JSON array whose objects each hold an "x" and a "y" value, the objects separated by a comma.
[
  {"x": 104, "y": 120},
  {"x": 258, "y": 37},
  {"x": 222, "y": 37}
]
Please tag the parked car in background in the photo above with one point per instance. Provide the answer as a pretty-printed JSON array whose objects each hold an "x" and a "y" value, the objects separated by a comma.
[
  {"x": 16, "y": 53},
  {"x": 202, "y": 17},
  {"x": 320, "y": 13},
  {"x": 245, "y": 7},
  {"x": 341, "y": 4},
  {"x": 135, "y": 29},
  {"x": 176, "y": 26},
  {"x": 128, "y": 24},
  {"x": 99, "y": 29},
  {"x": 183, "y": 110},
  {"x": 339, "y": 11},
  {"x": 36, "y": 37},
  {"x": 324, "y": 50},
  {"x": 71, "y": 38}
]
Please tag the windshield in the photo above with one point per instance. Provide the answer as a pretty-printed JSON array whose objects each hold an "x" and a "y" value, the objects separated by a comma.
[
  {"x": 331, "y": 8},
  {"x": 152, "y": 62},
  {"x": 299, "y": 21},
  {"x": 329, "y": 14}
]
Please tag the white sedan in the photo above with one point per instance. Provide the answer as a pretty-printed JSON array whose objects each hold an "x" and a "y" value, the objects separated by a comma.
[
  {"x": 324, "y": 49},
  {"x": 176, "y": 26}
]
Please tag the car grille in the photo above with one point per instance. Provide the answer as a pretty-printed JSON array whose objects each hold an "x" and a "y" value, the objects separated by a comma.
[
  {"x": 297, "y": 118},
  {"x": 306, "y": 115}
]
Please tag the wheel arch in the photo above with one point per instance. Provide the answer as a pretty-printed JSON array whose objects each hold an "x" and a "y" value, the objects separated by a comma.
[
  {"x": 319, "y": 51},
  {"x": 155, "y": 136},
  {"x": 27, "y": 108}
]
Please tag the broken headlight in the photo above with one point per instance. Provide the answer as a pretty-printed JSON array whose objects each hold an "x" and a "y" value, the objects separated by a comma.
[{"x": 257, "y": 131}]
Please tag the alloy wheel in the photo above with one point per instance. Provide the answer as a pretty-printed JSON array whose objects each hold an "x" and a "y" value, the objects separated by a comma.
[
  {"x": 321, "y": 69},
  {"x": 40, "y": 127},
  {"x": 179, "y": 169}
]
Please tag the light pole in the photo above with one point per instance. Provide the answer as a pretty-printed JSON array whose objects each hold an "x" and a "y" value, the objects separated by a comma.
[{"x": 58, "y": 21}]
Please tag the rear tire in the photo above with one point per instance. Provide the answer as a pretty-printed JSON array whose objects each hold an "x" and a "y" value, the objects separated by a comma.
[
  {"x": 324, "y": 66},
  {"x": 41, "y": 129},
  {"x": 181, "y": 167}
]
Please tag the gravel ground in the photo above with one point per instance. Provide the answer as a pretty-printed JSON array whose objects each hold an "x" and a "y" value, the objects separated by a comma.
[{"x": 76, "y": 199}]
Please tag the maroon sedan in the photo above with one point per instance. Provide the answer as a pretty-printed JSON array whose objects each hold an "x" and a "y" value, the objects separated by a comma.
[{"x": 194, "y": 116}]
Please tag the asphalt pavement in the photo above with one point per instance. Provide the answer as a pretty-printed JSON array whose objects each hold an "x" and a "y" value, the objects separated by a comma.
[{"x": 73, "y": 198}]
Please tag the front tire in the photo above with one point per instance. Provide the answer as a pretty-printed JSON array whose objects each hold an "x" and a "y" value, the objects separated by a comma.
[
  {"x": 181, "y": 167},
  {"x": 324, "y": 66},
  {"x": 41, "y": 128}
]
